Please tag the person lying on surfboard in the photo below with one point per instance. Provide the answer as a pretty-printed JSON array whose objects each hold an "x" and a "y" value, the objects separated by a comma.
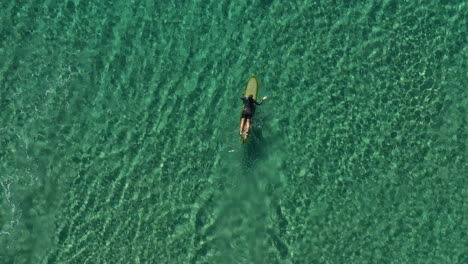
[{"x": 248, "y": 112}]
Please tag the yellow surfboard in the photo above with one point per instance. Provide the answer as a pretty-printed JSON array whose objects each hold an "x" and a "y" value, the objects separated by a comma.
[{"x": 251, "y": 88}]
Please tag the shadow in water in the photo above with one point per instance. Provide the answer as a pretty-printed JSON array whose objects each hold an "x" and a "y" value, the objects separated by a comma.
[{"x": 253, "y": 150}]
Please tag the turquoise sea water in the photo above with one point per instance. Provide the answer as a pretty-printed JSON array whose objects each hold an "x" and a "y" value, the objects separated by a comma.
[{"x": 119, "y": 132}]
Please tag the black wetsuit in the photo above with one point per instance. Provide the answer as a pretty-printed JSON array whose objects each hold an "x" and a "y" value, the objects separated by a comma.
[{"x": 249, "y": 107}]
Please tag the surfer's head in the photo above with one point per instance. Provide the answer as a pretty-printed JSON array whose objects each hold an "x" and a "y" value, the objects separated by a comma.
[{"x": 250, "y": 96}]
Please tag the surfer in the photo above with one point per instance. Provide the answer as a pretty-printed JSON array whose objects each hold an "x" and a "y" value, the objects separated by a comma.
[{"x": 247, "y": 113}]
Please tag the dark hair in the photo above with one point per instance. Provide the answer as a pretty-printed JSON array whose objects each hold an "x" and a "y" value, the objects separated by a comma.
[{"x": 250, "y": 95}]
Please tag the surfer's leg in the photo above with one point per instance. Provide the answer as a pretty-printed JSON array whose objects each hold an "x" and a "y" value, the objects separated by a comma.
[
  {"x": 241, "y": 126},
  {"x": 247, "y": 129}
]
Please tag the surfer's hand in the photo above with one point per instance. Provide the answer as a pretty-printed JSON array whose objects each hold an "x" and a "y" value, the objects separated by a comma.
[{"x": 264, "y": 98}]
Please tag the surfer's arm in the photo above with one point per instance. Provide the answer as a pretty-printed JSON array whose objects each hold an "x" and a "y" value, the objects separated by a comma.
[{"x": 263, "y": 99}]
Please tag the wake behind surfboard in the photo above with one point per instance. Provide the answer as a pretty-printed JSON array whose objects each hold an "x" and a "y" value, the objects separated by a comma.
[{"x": 251, "y": 88}]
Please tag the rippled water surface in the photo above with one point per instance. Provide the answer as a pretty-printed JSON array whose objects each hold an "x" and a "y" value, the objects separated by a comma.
[{"x": 119, "y": 132}]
